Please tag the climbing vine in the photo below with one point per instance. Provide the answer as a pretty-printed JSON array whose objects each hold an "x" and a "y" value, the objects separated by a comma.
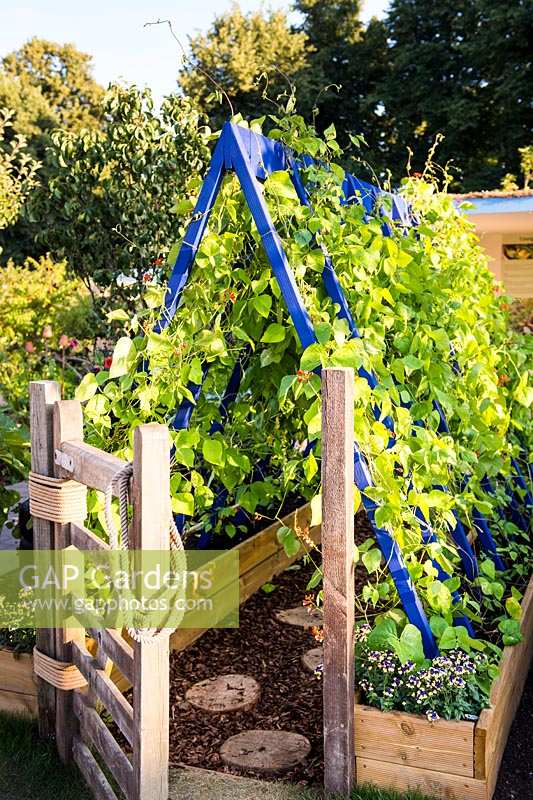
[{"x": 433, "y": 327}]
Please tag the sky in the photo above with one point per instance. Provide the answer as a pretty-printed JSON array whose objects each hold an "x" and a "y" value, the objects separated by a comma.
[{"x": 113, "y": 32}]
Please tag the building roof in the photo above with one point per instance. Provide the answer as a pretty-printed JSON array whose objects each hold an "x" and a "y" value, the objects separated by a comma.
[
  {"x": 497, "y": 201},
  {"x": 495, "y": 193}
]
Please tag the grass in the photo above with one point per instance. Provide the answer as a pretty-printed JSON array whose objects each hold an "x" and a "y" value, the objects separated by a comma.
[
  {"x": 373, "y": 793},
  {"x": 31, "y": 770}
]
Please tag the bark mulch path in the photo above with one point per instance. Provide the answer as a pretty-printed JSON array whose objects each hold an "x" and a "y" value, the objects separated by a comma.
[
  {"x": 264, "y": 649},
  {"x": 267, "y": 650}
]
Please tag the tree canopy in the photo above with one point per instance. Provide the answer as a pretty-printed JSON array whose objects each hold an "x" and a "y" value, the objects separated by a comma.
[
  {"x": 49, "y": 85},
  {"x": 254, "y": 58},
  {"x": 461, "y": 69},
  {"x": 109, "y": 204}
]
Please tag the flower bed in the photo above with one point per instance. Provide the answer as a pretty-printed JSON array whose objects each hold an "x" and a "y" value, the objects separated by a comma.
[{"x": 454, "y": 760}]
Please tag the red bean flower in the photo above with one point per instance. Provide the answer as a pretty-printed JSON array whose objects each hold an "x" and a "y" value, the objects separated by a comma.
[
  {"x": 64, "y": 341},
  {"x": 29, "y": 347},
  {"x": 108, "y": 360}
]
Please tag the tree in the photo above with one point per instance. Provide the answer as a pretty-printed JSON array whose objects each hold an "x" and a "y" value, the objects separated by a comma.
[
  {"x": 49, "y": 85},
  {"x": 17, "y": 173},
  {"x": 108, "y": 207},
  {"x": 45, "y": 86},
  {"x": 251, "y": 57},
  {"x": 460, "y": 68}
]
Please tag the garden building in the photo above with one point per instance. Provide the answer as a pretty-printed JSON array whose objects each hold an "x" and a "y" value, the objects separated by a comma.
[{"x": 504, "y": 223}]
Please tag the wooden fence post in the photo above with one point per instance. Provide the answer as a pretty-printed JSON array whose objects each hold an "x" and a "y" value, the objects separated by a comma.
[
  {"x": 43, "y": 395},
  {"x": 151, "y": 515},
  {"x": 338, "y": 566},
  {"x": 67, "y": 427}
]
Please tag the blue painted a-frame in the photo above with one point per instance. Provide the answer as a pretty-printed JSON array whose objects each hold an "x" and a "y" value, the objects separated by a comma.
[{"x": 253, "y": 157}]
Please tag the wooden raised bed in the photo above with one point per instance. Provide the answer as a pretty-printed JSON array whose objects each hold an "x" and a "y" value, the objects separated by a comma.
[
  {"x": 18, "y": 692},
  {"x": 260, "y": 558},
  {"x": 449, "y": 760}
]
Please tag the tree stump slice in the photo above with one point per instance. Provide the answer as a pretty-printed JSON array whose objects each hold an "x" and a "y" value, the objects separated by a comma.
[
  {"x": 313, "y": 658},
  {"x": 265, "y": 752},
  {"x": 224, "y": 694},
  {"x": 300, "y": 616}
]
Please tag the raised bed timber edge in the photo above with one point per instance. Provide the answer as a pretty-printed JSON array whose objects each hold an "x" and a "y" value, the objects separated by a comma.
[
  {"x": 18, "y": 689},
  {"x": 260, "y": 558},
  {"x": 18, "y": 692},
  {"x": 446, "y": 759}
]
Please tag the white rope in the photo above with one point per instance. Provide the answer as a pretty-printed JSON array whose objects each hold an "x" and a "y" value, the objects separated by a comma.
[{"x": 120, "y": 485}]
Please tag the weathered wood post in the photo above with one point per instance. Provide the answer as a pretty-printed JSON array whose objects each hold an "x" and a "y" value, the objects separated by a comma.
[
  {"x": 67, "y": 427},
  {"x": 338, "y": 566},
  {"x": 43, "y": 395},
  {"x": 151, "y": 516}
]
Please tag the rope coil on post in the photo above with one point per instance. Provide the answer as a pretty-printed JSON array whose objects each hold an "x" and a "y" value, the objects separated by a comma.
[
  {"x": 120, "y": 485},
  {"x": 56, "y": 499},
  {"x": 60, "y": 674}
]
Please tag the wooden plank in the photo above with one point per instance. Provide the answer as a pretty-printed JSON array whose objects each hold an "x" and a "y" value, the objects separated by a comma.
[
  {"x": 429, "y": 782},
  {"x": 84, "y": 539},
  {"x": 338, "y": 582},
  {"x": 96, "y": 733},
  {"x": 43, "y": 395},
  {"x": 150, "y": 531},
  {"x": 18, "y": 703},
  {"x": 410, "y": 740},
  {"x": 265, "y": 543},
  {"x": 495, "y": 722},
  {"x": 117, "y": 648},
  {"x": 67, "y": 424},
  {"x": 253, "y": 574},
  {"x": 103, "y": 687},
  {"x": 92, "y": 773},
  {"x": 90, "y": 466},
  {"x": 16, "y": 673}
]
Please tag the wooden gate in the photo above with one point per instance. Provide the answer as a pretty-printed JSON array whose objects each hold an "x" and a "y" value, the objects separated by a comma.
[{"x": 71, "y": 715}]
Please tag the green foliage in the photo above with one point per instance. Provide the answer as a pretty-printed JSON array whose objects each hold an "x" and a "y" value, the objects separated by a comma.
[
  {"x": 44, "y": 86},
  {"x": 459, "y": 68},
  {"x": 49, "y": 85},
  {"x": 423, "y": 299},
  {"x": 14, "y": 462},
  {"x": 110, "y": 205},
  {"x": 17, "y": 172},
  {"x": 509, "y": 181},
  {"x": 45, "y": 322}
]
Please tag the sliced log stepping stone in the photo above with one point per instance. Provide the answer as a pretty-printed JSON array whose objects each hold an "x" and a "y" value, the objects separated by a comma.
[
  {"x": 265, "y": 752},
  {"x": 224, "y": 694},
  {"x": 300, "y": 616},
  {"x": 313, "y": 658}
]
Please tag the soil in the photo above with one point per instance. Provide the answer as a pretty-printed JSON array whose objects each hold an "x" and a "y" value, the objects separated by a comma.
[
  {"x": 270, "y": 652},
  {"x": 515, "y": 780}
]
